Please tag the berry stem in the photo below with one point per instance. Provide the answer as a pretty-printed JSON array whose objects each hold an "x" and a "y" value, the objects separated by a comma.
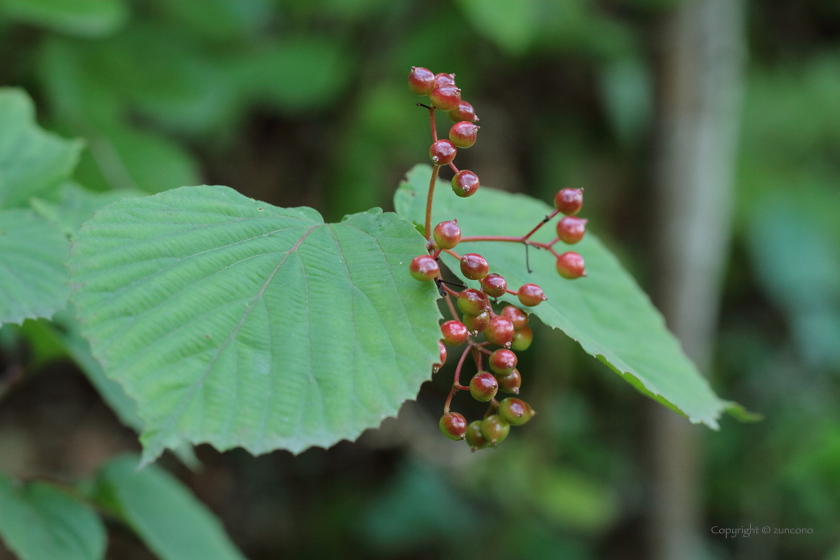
[
  {"x": 452, "y": 308},
  {"x": 452, "y": 253},
  {"x": 449, "y": 290},
  {"x": 455, "y": 382},
  {"x": 542, "y": 223},
  {"x": 435, "y": 171},
  {"x": 494, "y": 406},
  {"x": 452, "y": 165}
]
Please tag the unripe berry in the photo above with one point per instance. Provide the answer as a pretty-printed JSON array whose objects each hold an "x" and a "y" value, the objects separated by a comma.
[
  {"x": 570, "y": 230},
  {"x": 499, "y": 331},
  {"x": 475, "y": 439},
  {"x": 510, "y": 383},
  {"x": 465, "y": 183},
  {"x": 530, "y": 295},
  {"x": 421, "y": 81},
  {"x": 447, "y": 234},
  {"x": 483, "y": 386},
  {"x": 516, "y": 316},
  {"x": 514, "y": 411},
  {"x": 570, "y": 265},
  {"x": 477, "y": 323},
  {"x": 424, "y": 268},
  {"x": 522, "y": 339},
  {"x": 464, "y": 112},
  {"x": 502, "y": 361},
  {"x": 454, "y": 332},
  {"x": 444, "y": 79},
  {"x": 442, "y": 152},
  {"x": 445, "y": 97},
  {"x": 495, "y": 429},
  {"x": 472, "y": 301},
  {"x": 463, "y": 134},
  {"x": 494, "y": 285},
  {"x": 442, "y": 358},
  {"x": 453, "y": 425},
  {"x": 474, "y": 266},
  {"x": 569, "y": 201}
]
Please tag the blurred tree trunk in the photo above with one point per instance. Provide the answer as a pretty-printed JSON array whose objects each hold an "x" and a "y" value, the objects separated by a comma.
[{"x": 701, "y": 80}]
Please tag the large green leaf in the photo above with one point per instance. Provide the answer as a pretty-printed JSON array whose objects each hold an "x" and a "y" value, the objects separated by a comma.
[
  {"x": 163, "y": 513},
  {"x": 86, "y": 18},
  {"x": 237, "y": 323},
  {"x": 33, "y": 281},
  {"x": 40, "y": 522},
  {"x": 32, "y": 162},
  {"x": 606, "y": 312}
]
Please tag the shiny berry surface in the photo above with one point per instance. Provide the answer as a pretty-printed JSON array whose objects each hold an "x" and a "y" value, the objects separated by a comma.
[
  {"x": 442, "y": 358},
  {"x": 499, "y": 331},
  {"x": 447, "y": 234},
  {"x": 421, "y": 81},
  {"x": 510, "y": 383},
  {"x": 569, "y": 201},
  {"x": 515, "y": 411},
  {"x": 495, "y": 429},
  {"x": 454, "y": 332},
  {"x": 494, "y": 285},
  {"x": 463, "y": 134},
  {"x": 483, "y": 386},
  {"x": 516, "y": 316},
  {"x": 522, "y": 339},
  {"x": 530, "y": 295},
  {"x": 442, "y": 152},
  {"x": 570, "y": 265},
  {"x": 570, "y": 230},
  {"x": 465, "y": 183},
  {"x": 444, "y": 79},
  {"x": 445, "y": 97},
  {"x": 502, "y": 361},
  {"x": 424, "y": 268},
  {"x": 477, "y": 323},
  {"x": 474, "y": 266},
  {"x": 453, "y": 425},
  {"x": 464, "y": 112},
  {"x": 475, "y": 439},
  {"x": 472, "y": 302}
]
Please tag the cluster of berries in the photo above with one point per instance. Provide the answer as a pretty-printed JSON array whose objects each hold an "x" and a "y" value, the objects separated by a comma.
[{"x": 507, "y": 329}]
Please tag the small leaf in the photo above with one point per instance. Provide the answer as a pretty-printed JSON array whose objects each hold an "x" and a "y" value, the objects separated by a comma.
[
  {"x": 32, "y": 162},
  {"x": 234, "y": 322},
  {"x": 163, "y": 513},
  {"x": 40, "y": 522},
  {"x": 33, "y": 281},
  {"x": 606, "y": 312}
]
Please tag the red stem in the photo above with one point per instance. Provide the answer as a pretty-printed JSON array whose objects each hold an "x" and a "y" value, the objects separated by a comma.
[
  {"x": 455, "y": 384},
  {"x": 542, "y": 223},
  {"x": 455, "y": 169}
]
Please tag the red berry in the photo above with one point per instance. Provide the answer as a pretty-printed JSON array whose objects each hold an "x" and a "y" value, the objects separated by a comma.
[
  {"x": 483, "y": 386},
  {"x": 477, "y": 323},
  {"x": 516, "y": 316},
  {"x": 495, "y": 429},
  {"x": 499, "y": 331},
  {"x": 464, "y": 112},
  {"x": 465, "y": 183},
  {"x": 570, "y": 229},
  {"x": 472, "y": 301},
  {"x": 445, "y": 97},
  {"x": 421, "y": 81},
  {"x": 569, "y": 201},
  {"x": 514, "y": 411},
  {"x": 442, "y": 358},
  {"x": 424, "y": 268},
  {"x": 474, "y": 266},
  {"x": 510, "y": 383},
  {"x": 475, "y": 439},
  {"x": 502, "y": 361},
  {"x": 570, "y": 265},
  {"x": 463, "y": 134},
  {"x": 522, "y": 339},
  {"x": 454, "y": 332},
  {"x": 453, "y": 425},
  {"x": 442, "y": 152},
  {"x": 447, "y": 234},
  {"x": 494, "y": 285},
  {"x": 531, "y": 295},
  {"x": 444, "y": 79}
]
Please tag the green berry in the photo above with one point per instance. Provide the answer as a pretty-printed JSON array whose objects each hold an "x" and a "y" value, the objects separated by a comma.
[
  {"x": 483, "y": 386},
  {"x": 570, "y": 265},
  {"x": 510, "y": 383},
  {"x": 447, "y": 234},
  {"x": 453, "y": 425},
  {"x": 530, "y": 295},
  {"x": 474, "y": 266},
  {"x": 502, "y": 361},
  {"x": 442, "y": 152},
  {"x": 494, "y": 285},
  {"x": 463, "y": 134},
  {"x": 475, "y": 439},
  {"x": 494, "y": 429},
  {"x": 472, "y": 302},
  {"x": 515, "y": 412},
  {"x": 421, "y": 81},
  {"x": 454, "y": 332},
  {"x": 424, "y": 268},
  {"x": 465, "y": 183},
  {"x": 522, "y": 339},
  {"x": 477, "y": 323},
  {"x": 499, "y": 331}
]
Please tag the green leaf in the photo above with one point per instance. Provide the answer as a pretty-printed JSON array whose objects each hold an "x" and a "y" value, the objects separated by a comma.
[
  {"x": 33, "y": 281},
  {"x": 237, "y": 323},
  {"x": 77, "y": 204},
  {"x": 85, "y": 18},
  {"x": 40, "y": 522},
  {"x": 511, "y": 25},
  {"x": 606, "y": 312},
  {"x": 32, "y": 162},
  {"x": 163, "y": 513}
]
